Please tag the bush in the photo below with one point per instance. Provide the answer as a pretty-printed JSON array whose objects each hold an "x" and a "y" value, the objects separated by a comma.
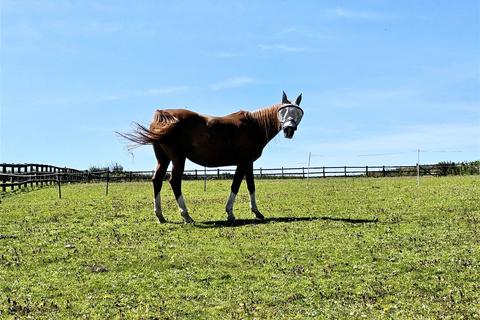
[
  {"x": 446, "y": 168},
  {"x": 115, "y": 167}
]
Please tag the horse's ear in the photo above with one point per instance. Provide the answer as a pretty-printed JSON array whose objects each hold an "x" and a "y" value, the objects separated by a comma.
[
  {"x": 284, "y": 98},
  {"x": 299, "y": 99}
]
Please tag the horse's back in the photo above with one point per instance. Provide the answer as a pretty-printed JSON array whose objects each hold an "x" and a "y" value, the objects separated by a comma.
[
  {"x": 178, "y": 113},
  {"x": 181, "y": 114},
  {"x": 235, "y": 119}
]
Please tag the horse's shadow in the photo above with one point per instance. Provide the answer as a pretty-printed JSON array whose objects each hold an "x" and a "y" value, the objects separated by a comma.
[{"x": 246, "y": 222}]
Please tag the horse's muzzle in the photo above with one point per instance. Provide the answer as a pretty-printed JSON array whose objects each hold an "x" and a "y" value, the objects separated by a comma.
[{"x": 288, "y": 131}]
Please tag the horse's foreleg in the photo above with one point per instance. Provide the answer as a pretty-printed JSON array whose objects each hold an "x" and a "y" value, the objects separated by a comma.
[
  {"x": 237, "y": 180},
  {"x": 176, "y": 183},
  {"x": 251, "y": 190}
]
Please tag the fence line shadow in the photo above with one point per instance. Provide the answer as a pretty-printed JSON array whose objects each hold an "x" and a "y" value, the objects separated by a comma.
[{"x": 246, "y": 222}]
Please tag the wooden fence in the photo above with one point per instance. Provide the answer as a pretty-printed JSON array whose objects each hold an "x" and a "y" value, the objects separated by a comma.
[
  {"x": 23, "y": 175},
  {"x": 19, "y": 176},
  {"x": 325, "y": 172}
]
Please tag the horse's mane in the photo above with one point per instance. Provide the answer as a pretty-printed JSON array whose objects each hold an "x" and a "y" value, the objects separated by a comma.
[
  {"x": 162, "y": 123},
  {"x": 267, "y": 119}
]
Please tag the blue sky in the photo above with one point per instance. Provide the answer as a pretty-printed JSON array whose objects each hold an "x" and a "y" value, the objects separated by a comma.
[{"x": 380, "y": 79}]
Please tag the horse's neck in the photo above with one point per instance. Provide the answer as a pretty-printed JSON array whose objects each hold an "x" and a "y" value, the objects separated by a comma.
[{"x": 267, "y": 120}]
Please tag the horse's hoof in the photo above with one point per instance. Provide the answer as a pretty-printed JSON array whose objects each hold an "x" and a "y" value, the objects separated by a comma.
[
  {"x": 161, "y": 219},
  {"x": 187, "y": 219},
  {"x": 230, "y": 218},
  {"x": 258, "y": 215}
]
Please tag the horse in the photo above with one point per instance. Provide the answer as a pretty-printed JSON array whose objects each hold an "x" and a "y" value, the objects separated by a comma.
[{"x": 236, "y": 139}]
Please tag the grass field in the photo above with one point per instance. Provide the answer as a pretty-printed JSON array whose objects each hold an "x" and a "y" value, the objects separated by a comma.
[{"x": 341, "y": 248}]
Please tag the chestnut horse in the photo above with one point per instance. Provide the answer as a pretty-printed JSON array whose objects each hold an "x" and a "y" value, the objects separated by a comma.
[{"x": 236, "y": 139}]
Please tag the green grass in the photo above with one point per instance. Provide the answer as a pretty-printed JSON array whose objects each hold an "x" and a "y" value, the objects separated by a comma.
[{"x": 341, "y": 248}]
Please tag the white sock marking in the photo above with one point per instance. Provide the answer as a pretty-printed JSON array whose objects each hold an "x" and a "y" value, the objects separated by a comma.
[
  {"x": 230, "y": 202},
  {"x": 157, "y": 204},
  {"x": 253, "y": 202},
  {"x": 181, "y": 204}
]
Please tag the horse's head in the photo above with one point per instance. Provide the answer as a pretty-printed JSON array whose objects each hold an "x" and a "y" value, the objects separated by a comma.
[{"x": 290, "y": 115}]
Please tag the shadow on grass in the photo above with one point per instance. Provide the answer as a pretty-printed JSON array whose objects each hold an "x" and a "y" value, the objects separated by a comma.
[{"x": 246, "y": 222}]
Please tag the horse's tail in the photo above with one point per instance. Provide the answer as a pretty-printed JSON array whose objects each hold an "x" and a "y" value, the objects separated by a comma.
[{"x": 162, "y": 124}]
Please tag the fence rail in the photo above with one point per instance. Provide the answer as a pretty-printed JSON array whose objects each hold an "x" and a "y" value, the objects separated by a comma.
[{"x": 19, "y": 176}]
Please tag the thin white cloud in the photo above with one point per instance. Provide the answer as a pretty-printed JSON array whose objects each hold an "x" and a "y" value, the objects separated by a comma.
[
  {"x": 344, "y": 13},
  {"x": 223, "y": 54},
  {"x": 232, "y": 83},
  {"x": 162, "y": 90},
  {"x": 97, "y": 129},
  {"x": 280, "y": 47},
  {"x": 367, "y": 98},
  {"x": 35, "y": 6},
  {"x": 430, "y": 137},
  {"x": 465, "y": 70},
  {"x": 287, "y": 30},
  {"x": 111, "y": 97}
]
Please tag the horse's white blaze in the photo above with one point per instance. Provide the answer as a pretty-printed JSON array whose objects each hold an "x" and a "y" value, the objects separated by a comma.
[
  {"x": 157, "y": 204},
  {"x": 230, "y": 202},
  {"x": 253, "y": 202},
  {"x": 181, "y": 204}
]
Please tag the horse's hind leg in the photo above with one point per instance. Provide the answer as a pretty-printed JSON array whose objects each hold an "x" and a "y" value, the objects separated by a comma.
[
  {"x": 178, "y": 166},
  {"x": 237, "y": 180},
  {"x": 157, "y": 180},
  {"x": 251, "y": 190}
]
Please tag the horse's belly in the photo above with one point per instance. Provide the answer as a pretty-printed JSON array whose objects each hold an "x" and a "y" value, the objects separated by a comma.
[
  {"x": 222, "y": 149},
  {"x": 213, "y": 158}
]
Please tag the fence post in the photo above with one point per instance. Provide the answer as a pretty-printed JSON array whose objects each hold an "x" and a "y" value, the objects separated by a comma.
[
  {"x": 323, "y": 172},
  {"x": 261, "y": 175},
  {"x": 4, "y": 178},
  {"x": 24, "y": 179},
  {"x": 30, "y": 173},
  {"x": 345, "y": 170},
  {"x": 108, "y": 178},
  {"x": 19, "y": 171},
  {"x": 25, "y": 170},
  {"x": 59, "y": 178},
  {"x": 282, "y": 172},
  {"x": 384, "y": 173},
  {"x": 196, "y": 174},
  {"x": 218, "y": 173},
  {"x": 36, "y": 175},
  {"x": 12, "y": 179},
  {"x": 20, "y": 179},
  {"x": 303, "y": 173},
  {"x": 205, "y": 179},
  {"x": 366, "y": 171}
]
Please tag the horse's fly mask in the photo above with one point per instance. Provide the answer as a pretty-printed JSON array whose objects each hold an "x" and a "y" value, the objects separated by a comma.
[{"x": 290, "y": 116}]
